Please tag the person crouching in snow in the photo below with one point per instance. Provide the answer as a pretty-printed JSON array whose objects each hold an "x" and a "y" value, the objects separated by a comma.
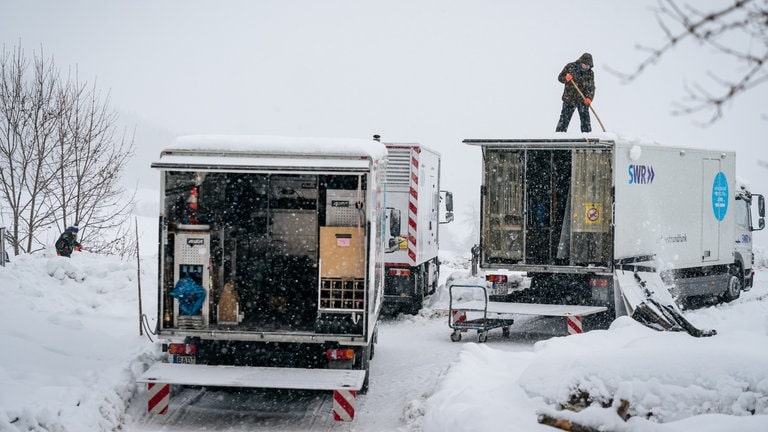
[
  {"x": 67, "y": 242},
  {"x": 578, "y": 73}
]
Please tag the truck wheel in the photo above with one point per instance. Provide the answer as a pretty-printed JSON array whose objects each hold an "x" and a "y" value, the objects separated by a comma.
[
  {"x": 734, "y": 289},
  {"x": 420, "y": 289},
  {"x": 365, "y": 364},
  {"x": 433, "y": 287},
  {"x": 364, "y": 389},
  {"x": 416, "y": 305}
]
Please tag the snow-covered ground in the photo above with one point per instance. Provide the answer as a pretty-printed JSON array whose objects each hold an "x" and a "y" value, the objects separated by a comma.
[{"x": 71, "y": 351}]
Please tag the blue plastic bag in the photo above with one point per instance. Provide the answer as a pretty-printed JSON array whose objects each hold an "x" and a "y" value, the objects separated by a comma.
[{"x": 190, "y": 296}]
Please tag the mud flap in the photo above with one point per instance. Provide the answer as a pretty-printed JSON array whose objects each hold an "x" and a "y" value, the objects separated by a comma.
[{"x": 649, "y": 302}]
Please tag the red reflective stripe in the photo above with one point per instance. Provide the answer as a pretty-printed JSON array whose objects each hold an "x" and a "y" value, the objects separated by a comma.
[
  {"x": 158, "y": 398},
  {"x": 343, "y": 405},
  {"x": 574, "y": 324}
]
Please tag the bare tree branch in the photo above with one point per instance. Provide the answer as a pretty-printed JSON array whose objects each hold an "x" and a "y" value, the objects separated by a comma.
[
  {"x": 60, "y": 157},
  {"x": 737, "y": 31}
]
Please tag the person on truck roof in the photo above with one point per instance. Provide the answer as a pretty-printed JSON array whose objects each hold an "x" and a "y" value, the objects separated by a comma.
[{"x": 578, "y": 93}]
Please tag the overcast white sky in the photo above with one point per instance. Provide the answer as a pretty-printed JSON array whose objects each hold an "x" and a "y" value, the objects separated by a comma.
[{"x": 433, "y": 71}]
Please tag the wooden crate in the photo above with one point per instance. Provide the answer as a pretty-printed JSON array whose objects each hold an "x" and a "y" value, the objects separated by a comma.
[{"x": 342, "y": 252}]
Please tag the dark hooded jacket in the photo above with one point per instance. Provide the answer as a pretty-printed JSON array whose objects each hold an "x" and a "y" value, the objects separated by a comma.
[
  {"x": 67, "y": 242},
  {"x": 585, "y": 79}
]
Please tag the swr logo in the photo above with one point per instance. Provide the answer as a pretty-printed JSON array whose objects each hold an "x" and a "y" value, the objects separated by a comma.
[
  {"x": 641, "y": 174},
  {"x": 195, "y": 241}
]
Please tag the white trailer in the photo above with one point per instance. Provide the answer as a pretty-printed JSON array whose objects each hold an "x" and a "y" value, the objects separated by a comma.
[
  {"x": 411, "y": 267},
  {"x": 571, "y": 212},
  {"x": 271, "y": 256}
]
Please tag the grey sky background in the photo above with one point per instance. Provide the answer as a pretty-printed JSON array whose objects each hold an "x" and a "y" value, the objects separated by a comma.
[{"x": 433, "y": 71}]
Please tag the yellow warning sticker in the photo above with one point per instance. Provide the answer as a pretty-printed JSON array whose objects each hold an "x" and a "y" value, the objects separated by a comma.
[{"x": 593, "y": 213}]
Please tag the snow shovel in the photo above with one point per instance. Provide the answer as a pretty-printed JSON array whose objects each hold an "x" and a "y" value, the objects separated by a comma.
[{"x": 589, "y": 105}]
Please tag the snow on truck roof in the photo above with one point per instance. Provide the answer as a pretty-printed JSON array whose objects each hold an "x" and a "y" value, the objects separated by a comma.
[
  {"x": 560, "y": 138},
  {"x": 555, "y": 136},
  {"x": 253, "y": 145},
  {"x": 576, "y": 138}
]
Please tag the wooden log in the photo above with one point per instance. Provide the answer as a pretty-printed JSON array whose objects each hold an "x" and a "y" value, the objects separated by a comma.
[{"x": 563, "y": 424}]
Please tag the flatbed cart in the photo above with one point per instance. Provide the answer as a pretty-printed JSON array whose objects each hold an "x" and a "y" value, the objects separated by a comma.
[
  {"x": 482, "y": 325},
  {"x": 475, "y": 299}
]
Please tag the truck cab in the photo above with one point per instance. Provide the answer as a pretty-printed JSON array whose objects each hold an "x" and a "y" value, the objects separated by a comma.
[{"x": 747, "y": 206}]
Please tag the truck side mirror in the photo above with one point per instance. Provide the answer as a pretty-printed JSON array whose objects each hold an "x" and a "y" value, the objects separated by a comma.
[
  {"x": 392, "y": 245},
  {"x": 394, "y": 222},
  {"x": 448, "y": 207},
  {"x": 394, "y": 229},
  {"x": 760, "y": 211}
]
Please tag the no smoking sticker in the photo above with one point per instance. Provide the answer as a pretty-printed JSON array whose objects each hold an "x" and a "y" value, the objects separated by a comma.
[{"x": 592, "y": 213}]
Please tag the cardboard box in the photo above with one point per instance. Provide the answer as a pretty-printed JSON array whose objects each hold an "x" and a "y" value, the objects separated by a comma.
[{"x": 342, "y": 252}]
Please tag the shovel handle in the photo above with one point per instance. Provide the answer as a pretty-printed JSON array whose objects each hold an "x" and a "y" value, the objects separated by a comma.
[{"x": 590, "y": 105}]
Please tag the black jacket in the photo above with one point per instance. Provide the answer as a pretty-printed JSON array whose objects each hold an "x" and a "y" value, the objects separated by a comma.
[
  {"x": 66, "y": 244},
  {"x": 585, "y": 79}
]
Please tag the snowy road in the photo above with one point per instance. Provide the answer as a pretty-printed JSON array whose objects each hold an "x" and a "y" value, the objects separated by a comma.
[
  {"x": 73, "y": 366},
  {"x": 412, "y": 354}
]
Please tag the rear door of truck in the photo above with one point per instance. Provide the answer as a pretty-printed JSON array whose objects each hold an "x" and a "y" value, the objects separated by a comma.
[{"x": 546, "y": 203}]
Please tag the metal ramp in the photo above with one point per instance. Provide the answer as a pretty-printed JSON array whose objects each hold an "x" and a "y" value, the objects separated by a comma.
[
  {"x": 497, "y": 314},
  {"x": 254, "y": 377},
  {"x": 649, "y": 302}
]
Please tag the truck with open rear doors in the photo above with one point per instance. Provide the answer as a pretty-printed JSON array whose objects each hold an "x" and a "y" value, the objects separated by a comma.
[
  {"x": 573, "y": 213},
  {"x": 271, "y": 260}
]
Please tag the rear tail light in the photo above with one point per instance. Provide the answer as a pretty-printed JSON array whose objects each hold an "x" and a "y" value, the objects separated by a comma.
[
  {"x": 399, "y": 272},
  {"x": 495, "y": 278},
  {"x": 182, "y": 349},
  {"x": 600, "y": 282},
  {"x": 340, "y": 354}
]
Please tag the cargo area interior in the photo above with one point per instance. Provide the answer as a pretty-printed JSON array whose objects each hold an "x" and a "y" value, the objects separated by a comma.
[
  {"x": 269, "y": 236},
  {"x": 547, "y": 206}
]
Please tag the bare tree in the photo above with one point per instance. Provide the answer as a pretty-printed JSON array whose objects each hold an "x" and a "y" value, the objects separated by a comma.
[
  {"x": 91, "y": 160},
  {"x": 27, "y": 129},
  {"x": 738, "y": 30},
  {"x": 60, "y": 157}
]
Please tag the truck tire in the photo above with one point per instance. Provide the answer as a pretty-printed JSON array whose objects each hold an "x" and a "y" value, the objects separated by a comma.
[
  {"x": 733, "y": 291},
  {"x": 420, "y": 289},
  {"x": 365, "y": 364},
  {"x": 433, "y": 287}
]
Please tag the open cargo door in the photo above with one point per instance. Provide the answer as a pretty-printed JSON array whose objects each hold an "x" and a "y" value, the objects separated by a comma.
[
  {"x": 547, "y": 206},
  {"x": 502, "y": 195},
  {"x": 591, "y": 210}
]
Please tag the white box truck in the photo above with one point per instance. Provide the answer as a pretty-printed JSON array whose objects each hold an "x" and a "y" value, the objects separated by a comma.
[
  {"x": 571, "y": 212},
  {"x": 413, "y": 195},
  {"x": 271, "y": 261}
]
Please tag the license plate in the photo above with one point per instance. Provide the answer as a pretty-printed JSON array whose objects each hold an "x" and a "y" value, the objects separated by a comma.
[
  {"x": 184, "y": 359},
  {"x": 498, "y": 288}
]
